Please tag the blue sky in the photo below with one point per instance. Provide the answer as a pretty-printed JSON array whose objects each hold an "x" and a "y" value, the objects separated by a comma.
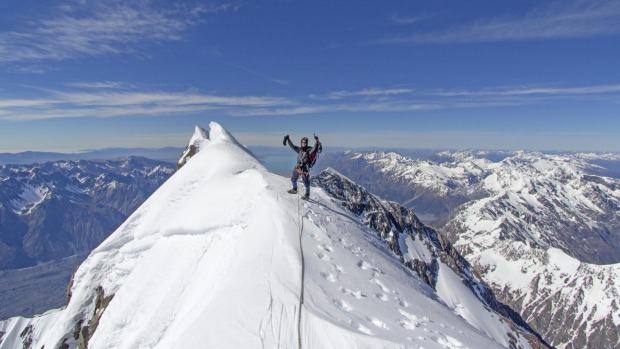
[{"x": 539, "y": 75}]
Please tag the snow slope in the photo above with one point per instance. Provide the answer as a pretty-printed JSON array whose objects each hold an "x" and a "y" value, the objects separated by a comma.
[
  {"x": 574, "y": 304},
  {"x": 222, "y": 257},
  {"x": 536, "y": 226}
]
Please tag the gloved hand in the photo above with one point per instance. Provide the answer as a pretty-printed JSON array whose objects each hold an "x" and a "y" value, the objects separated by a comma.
[
  {"x": 316, "y": 138},
  {"x": 284, "y": 140}
]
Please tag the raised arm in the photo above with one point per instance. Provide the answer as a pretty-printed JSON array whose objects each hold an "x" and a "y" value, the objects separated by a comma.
[
  {"x": 316, "y": 145},
  {"x": 287, "y": 140}
]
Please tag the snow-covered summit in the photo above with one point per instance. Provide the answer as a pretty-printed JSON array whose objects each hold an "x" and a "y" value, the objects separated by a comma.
[
  {"x": 199, "y": 138},
  {"x": 220, "y": 256}
]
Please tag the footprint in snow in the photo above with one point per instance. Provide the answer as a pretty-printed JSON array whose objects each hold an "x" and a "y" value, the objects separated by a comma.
[
  {"x": 322, "y": 256},
  {"x": 449, "y": 342},
  {"x": 401, "y": 302},
  {"x": 343, "y": 305},
  {"x": 378, "y": 323},
  {"x": 357, "y": 251},
  {"x": 407, "y": 324},
  {"x": 364, "y": 329},
  {"x": 356, "y": 294},
  {"x": 407, "y": 315},
  {"x": 364, "y": 265},
  {"x": 381, "y": 285},
  {"x": 325, "y": 248},
  {"x": 329, "y": 277},
  {"x": 382, "y": 296}
]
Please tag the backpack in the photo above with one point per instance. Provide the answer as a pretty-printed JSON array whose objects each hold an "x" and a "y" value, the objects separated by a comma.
[{"x": 314, "y": 156}]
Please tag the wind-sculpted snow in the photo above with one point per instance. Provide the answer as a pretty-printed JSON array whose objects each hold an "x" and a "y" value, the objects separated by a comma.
[
  {"x": 536, "y": 226},
  {"x": 215, "y": 259}
]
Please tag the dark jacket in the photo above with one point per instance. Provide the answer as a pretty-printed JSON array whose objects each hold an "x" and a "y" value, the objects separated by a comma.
[{"x": 303, "y": 153}]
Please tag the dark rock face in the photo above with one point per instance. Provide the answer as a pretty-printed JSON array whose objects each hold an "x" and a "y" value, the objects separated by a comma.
[
  {"x": 26, "y": 337},
  {"x": 58, "y": 209},
  {"x": 189, "y": 151},
  {"x": 84, "y": 333},
  {"x": 391, "y": 221}
]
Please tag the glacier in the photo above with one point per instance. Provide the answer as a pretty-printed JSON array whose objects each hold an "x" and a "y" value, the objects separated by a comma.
[{"x": 220, "y": 256}]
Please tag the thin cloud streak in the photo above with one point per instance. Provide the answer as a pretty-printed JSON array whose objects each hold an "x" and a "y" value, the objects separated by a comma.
[
  {"x": 98, "y": 29},
  {"x": 101, "y": 85},
  {"x": 362, "y": 107},
  {"x": 560, "y": 20},
  {"x": 583, "y": 90},
  {"x": 406, "y": 20},
  {"x": 115, "y": 99},
  {"x": 370, "y": 92},
  {"x": 61, "y": 104}
]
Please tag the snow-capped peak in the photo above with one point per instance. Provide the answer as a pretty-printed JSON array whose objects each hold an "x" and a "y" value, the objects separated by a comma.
[
  {"x": 199, "y": 137},
  {"x": 220, "y": 256}
]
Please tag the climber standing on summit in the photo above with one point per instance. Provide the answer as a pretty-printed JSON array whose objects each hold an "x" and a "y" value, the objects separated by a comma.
[{"x": 306, "y": 156}]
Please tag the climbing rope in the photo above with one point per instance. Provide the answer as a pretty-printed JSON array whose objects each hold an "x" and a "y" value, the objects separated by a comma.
[{"x": 300, "y": 224}]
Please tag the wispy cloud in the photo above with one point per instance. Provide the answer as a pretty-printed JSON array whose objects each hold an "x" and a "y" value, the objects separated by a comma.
[
  {"x": 399, "y": 100},
  {"x": 99, "y": 28},
  {"x": 102, "y": 85},
  {"x": 116, "y": 99},
  {"x": 558, "y": 20},
  {"x": 107, "y": 101},
  {"x": 354, "y": 106},
  {"x": 369, "y": 92},
  {"x": 406, "y": 20},
  {"x": 531, "y": 91}
]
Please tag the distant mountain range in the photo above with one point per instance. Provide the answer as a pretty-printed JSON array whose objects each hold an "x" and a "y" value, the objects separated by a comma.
[
  {"x": 169, "y": 154},
  {"x": 58, "y": 209},
  {"x": 542, "y": 229}
]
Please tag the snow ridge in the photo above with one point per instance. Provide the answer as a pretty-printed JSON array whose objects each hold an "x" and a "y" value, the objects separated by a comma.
[{"x": 213, "y": 259}]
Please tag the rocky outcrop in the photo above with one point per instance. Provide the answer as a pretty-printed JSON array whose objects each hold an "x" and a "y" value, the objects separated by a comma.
[
  {"x": 26, "y": 336},
  {"x": 200, "y": 135},
  {"x": 84, "y": 333}
]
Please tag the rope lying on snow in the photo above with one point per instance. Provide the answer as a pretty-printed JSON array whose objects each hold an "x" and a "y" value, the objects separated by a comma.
[{"x": 300, "y": 224}]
